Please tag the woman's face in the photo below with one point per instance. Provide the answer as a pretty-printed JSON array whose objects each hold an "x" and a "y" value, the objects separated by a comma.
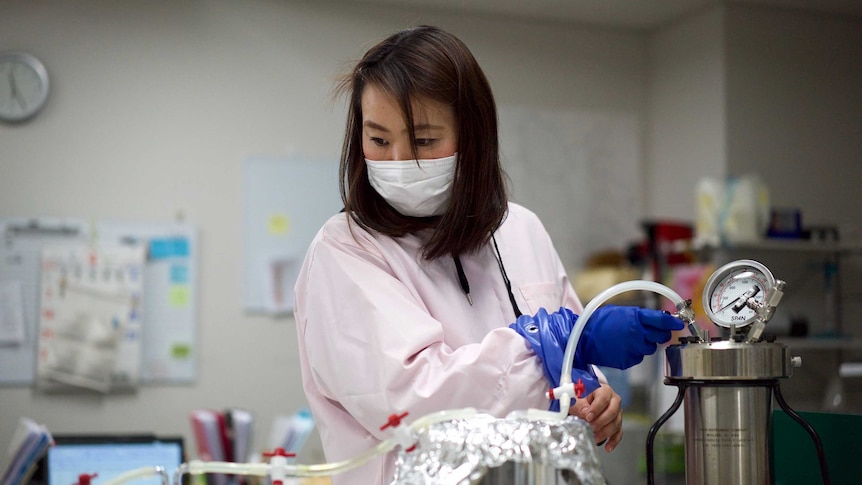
[{"x": 385, "y": 136}]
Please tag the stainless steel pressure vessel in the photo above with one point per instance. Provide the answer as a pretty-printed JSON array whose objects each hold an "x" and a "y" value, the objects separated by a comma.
[
  {"x": 728, "y": 407},
  {"x": 513, "y": 473}
]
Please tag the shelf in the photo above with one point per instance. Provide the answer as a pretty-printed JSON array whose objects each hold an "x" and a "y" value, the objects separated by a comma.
[{"x": 792, "y": 245}]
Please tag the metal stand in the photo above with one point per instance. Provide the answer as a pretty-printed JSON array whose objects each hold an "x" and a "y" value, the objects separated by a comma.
[{"x": 773, "y": 383}]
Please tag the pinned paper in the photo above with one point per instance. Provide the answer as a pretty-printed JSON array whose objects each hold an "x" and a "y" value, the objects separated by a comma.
[
  {"x": 89, "y": 335},
  {"x": 11, "y": 313}
]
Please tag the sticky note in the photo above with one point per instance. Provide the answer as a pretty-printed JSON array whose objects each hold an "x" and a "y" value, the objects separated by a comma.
[
  {"x": 179, "y": 274},
  {"x": 178, "y": 296},
  {"x": 181, "y": 351},
  {"x": 177, "y": 247},
  {"x": 278, "y": 224}
]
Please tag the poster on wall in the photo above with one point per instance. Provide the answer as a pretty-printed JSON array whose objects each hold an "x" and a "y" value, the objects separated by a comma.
[{"x": 285, "y": 202}]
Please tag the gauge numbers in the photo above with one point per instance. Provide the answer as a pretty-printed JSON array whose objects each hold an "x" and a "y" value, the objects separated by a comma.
[{"x": 729, "y": 288}]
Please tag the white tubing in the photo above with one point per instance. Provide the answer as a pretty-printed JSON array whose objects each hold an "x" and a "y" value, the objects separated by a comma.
[
  {"x": 137, "y": 473},
  {"x": 198, "y": 467},
  {"x": 566, "y": 391},
  {"x": 575, "y": 335}
]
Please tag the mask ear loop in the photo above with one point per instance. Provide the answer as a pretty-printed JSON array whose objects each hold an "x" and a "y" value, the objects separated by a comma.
[{"x": 506, "y": 279}]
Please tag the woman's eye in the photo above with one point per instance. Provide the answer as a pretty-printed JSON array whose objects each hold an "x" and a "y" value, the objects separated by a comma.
[
  {"x": 424, "y": 142},
  {"x": 378, "y": 141}
]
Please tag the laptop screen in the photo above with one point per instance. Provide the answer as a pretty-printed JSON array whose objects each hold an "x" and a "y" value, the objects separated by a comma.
[{"x": 110, "y": 456}]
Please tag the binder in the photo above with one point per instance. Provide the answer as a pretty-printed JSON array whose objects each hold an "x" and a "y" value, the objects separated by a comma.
[
  {"x": 240, "y": 424},
  {"x": 29, "y": 443},
  {"x": 208, "y": 430}
]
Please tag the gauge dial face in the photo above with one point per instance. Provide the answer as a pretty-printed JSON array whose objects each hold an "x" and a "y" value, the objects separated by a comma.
[{"x": 729, "y": 288}]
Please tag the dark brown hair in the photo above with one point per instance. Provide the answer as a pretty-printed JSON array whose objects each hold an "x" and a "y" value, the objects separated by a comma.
[{"x": 426, "y": 62}]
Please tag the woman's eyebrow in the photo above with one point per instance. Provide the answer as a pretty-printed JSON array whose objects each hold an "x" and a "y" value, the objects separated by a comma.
[
  {"x": 428, "y": 126},
  {"x": 420, "y": 127},
  {"x": 375, "y": 126}
]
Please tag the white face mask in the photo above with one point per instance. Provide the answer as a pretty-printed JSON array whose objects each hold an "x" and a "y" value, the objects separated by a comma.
[{"x": 414, "y": 189}]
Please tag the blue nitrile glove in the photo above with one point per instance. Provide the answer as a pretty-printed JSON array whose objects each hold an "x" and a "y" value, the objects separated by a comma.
[
  {"x": 548, "y": 335},
  {"x": 620, "y": 336}
]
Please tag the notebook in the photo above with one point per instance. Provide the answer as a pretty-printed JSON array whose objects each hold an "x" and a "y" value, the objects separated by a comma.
[{"x": 110, "y": 456}]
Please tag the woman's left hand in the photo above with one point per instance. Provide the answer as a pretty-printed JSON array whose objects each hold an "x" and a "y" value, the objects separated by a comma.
[{"x": 603, "y": 410}]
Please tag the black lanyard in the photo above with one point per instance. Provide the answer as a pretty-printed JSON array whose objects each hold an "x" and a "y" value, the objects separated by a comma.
[{"x": 465, "y": 285}]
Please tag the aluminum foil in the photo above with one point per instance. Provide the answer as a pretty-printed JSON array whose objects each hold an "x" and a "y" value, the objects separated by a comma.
[{"x": 466, "y": 451}]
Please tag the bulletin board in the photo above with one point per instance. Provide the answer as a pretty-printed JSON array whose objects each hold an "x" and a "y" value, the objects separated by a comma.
[
  {"x": 168, "y": 312},
  {"x": 285, "y": 202}
]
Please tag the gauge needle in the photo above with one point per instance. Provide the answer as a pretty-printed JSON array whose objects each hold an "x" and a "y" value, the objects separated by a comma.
[{"x": 745, "y": 296}]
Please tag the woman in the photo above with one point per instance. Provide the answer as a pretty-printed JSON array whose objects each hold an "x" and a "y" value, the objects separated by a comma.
[{"x": 405, "y": 298}]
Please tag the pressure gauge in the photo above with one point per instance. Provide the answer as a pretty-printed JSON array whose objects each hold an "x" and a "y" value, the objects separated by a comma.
[{"x": 731, "y": 291}]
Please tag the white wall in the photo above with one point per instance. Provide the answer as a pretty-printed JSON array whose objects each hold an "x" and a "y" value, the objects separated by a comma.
[
  {"x": 794, "y": 117},
  {"x": 794, "y": 109},
  {"x": 737, "y": 89},
  {"x": 156, "y": 104},
  {"x": 686, "y": 133}
]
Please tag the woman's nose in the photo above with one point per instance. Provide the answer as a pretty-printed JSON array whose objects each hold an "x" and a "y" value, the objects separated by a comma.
[{"x": 401, "y": 152}]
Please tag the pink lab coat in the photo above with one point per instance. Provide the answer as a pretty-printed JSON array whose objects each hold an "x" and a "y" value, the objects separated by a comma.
[{"x": 382, "y": 331}]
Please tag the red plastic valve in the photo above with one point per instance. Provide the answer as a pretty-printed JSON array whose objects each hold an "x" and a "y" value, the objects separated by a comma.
[
  {"x": 580, "y": 388},
  {"x": 278, "y": 452},
  {"x": 84, "y": 478},
  {"x": 394, "y": 420}
]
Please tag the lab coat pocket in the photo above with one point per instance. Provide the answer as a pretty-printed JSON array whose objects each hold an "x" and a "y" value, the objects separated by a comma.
[{"x": 542, "y": 295}]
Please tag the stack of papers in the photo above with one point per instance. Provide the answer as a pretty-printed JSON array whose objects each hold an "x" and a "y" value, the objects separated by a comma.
[{"x": 29, "y": 443}]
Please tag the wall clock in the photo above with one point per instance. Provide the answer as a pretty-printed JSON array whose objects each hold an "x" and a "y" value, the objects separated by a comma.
[{"x": 24, "y": 86}]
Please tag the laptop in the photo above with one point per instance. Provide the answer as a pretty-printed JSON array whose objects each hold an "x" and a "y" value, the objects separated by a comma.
[{"x": 109, "y": 456}]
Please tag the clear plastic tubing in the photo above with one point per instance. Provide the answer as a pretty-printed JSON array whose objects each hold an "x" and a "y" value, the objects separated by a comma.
[
  {"x": 197, "y": 467},
  {"x": 323, "y": 469},
  {"x": 569, "y": 356},
  {"x": 138, "y": 473}
]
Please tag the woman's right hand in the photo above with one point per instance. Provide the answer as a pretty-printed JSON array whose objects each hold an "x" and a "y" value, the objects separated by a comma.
[{"x": 602, "y": 409}]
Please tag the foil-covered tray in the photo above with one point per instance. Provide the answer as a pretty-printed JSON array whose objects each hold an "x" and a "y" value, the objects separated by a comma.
[{"x": 481, "y": 449}]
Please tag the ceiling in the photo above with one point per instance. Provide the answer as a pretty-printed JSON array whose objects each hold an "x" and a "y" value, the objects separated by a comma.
[{"x": 627, "y": 14}]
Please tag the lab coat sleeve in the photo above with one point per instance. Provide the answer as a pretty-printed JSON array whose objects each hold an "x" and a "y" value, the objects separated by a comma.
[{"x": 374, "y": 348}]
